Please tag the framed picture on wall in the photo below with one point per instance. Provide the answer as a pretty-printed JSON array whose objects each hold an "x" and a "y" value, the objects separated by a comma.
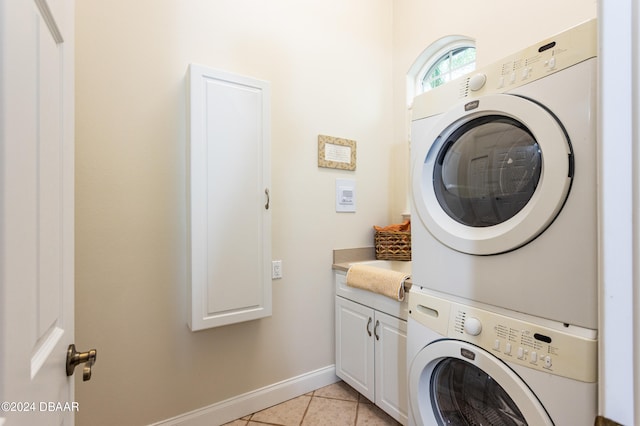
[{"x": 336, "y": 153}]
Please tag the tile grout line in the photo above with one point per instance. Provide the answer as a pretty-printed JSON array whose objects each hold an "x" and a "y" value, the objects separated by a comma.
[
  {"x": 355, "y": 420},
  {"x": 306, "y": 410}
]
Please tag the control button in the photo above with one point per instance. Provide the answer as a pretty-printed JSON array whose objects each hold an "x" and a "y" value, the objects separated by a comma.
[
  {"x": 512, "y": 79},
  {"x": 477, "y": 82},
  {"x": 547, "y": 361},
  {"x": 473, "y": 326},
  {"x": 525, "y": 73},
  {"x": 520, "y": 353},
  {"x": 496, "y": 345},
  {"x": 534, "y": 356},
  {"x": 507, "y": 349},
  {"x": 501, "y": 82},
  {"x": 552, "y": 62}
]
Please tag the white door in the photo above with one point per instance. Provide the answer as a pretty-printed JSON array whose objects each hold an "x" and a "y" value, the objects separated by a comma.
[
  {"x": 355, "y": 346},
  {"x": 36, "y": 211},
  {"x": 229, "y": 208},
  {"x": 391, "y": 365}
]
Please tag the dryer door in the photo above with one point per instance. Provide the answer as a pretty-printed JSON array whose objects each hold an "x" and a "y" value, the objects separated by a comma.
[
  {"x": 491, "y": 174},
  {"x": 454, "y": 383}
]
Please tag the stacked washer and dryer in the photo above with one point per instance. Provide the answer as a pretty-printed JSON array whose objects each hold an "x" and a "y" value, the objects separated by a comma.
[{"x": 502, "y": 326}]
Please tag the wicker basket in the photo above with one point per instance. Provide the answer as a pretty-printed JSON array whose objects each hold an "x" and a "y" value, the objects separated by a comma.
[{"x": 393, "y": 245}]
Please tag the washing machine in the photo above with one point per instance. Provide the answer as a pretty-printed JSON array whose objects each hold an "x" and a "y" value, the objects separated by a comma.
[
  {"x": 474, "y": 365},
  {"x": 503, "y": 182}
]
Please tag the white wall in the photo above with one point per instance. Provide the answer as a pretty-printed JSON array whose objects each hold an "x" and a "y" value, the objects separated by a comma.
[{"x": 329, "y": 63}]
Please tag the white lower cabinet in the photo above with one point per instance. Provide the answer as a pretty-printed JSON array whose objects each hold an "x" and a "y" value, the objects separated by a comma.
[
  {"x": 371, "y": 355},
  {"x": 390, "y": 361}
]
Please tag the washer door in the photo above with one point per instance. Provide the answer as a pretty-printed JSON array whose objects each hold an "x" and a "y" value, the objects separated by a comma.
[
  {"x": 456, "y": 383},
  {"x": 492, "y": 174}
]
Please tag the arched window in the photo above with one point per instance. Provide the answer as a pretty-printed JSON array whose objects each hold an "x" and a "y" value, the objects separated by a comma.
[
  {"x": 444, "y": 60},
  {"x": 453, "y": 64}
]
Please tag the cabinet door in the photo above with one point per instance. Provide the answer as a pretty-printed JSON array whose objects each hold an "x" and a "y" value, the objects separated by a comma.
[
  {"x": 391, "y": 365},
  {"x": 229, "y": 216},
  {"x": 355, "y": 346}
]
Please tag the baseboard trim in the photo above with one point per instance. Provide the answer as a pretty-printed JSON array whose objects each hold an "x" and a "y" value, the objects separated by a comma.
[{"x": 259, "y": 399}]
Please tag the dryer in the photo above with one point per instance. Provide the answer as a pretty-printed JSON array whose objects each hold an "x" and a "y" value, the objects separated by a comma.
[
  {"x": 503, "y": 182},
  {"x": 472, "y": 365}
]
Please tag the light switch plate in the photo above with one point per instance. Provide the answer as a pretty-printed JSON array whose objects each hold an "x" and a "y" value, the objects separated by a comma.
[
  {"x": 345, "y": 195},
  {"x": 276, "y": 269}
]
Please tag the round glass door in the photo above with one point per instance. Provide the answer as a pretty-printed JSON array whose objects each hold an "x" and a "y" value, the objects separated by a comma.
[
  {"x": 490, "y": 180},
  {"x": 452, "y": 382},
  {"x": 463, "y": 394},
  {"x": 487, "y": 171}
]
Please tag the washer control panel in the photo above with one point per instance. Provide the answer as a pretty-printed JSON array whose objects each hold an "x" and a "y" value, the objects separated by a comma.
[{"x": 543, "y": 345}]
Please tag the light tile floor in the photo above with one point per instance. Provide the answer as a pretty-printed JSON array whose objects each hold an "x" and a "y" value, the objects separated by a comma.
[{"x": 336, "y": 405}]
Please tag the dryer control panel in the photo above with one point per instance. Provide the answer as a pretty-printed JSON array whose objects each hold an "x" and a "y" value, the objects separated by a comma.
[
  {"x": 537, "y": 343},
  {"x": 551, "y": 55}
]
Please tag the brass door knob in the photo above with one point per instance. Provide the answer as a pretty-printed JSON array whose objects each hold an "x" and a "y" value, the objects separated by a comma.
[{"x": 74, "y": 358}]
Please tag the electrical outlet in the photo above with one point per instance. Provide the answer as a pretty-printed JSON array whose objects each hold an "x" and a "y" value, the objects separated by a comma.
[{"x": 276, "y": 269}]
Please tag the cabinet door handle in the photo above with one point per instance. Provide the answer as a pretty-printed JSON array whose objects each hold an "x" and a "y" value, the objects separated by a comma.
[
  {"x": 266, "y": 192},
  {"x": 375, "y": 330},
  {"x": 368, "y": 324}
]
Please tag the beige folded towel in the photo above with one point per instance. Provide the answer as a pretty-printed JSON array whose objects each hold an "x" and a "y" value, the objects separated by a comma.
[{"x": 383, "y": 281}]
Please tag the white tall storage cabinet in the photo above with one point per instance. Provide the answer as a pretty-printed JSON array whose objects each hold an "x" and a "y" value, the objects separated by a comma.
[
  {"x": 371, "y": 347},
  {"x": 229, "y": 207}
]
